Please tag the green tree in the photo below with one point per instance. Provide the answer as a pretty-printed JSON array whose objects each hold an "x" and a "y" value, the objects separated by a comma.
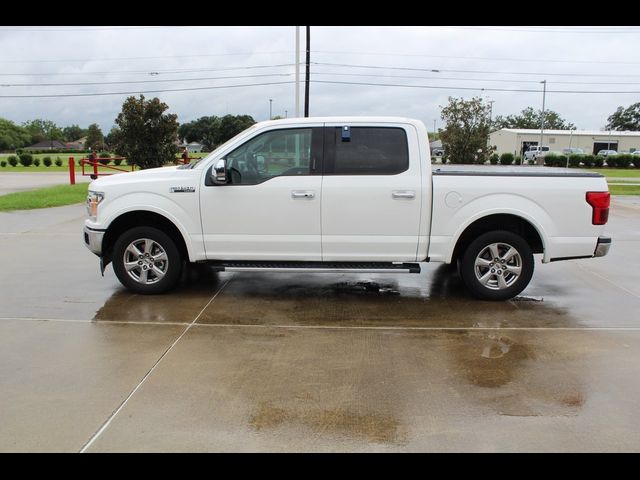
[
  {"x": 43, "y": 130},
  {"x": 466, "y": 134},
  {"x": 203, "y": 130},
  {"x": 625, "y": 118},
  {"x": 13, "y": 136},
  {"x": 73, "y": 132},
  {"x": 147, "y": 134},
  {"x": 95, "y": 139},
  {"x": 111, "y": 139},
  {"x": 231, "y": 125},
  {"x": 530, "y": 118}
]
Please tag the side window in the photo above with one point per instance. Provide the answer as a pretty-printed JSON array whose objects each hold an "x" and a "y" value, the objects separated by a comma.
[
  {"x": 366, "y": 151},
  {"x": 271, "y": 154}
]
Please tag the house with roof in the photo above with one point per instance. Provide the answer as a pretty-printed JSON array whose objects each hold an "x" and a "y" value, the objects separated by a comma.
[{"x": 47, "y": 145}]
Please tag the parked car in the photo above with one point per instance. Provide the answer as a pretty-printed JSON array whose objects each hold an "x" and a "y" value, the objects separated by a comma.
[
  {"x": 438, "y": 152},
  {"x": 535, "y": 151},
  {"x": 606, "y": 153},
  {"x": 572, "y": 151},
  {"x": 357, "y": 198}
]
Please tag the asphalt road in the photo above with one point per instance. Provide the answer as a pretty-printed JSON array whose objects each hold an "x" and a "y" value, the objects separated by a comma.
[
  {"x": 322, "y": 362},
  {"x": 18, "y": 182}
]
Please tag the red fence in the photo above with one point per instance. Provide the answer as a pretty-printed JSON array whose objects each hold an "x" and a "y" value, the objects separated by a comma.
[{"x": 93, "y": 164}]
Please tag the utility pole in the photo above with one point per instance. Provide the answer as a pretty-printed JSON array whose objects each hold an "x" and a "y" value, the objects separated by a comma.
[
  {"x": 297, "y": 71},
  {"x": 544, "y": 95},
  {"x": 270, "y": 109},
  {"x": 285, "y": 114},
  {"x": 434, "y": 126},
  {"x": 490, "y": 102},
  {"x": 306, "y": 82}
]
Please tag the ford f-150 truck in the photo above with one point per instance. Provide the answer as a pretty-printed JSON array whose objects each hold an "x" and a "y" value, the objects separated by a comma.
[{"x": 343, "y": 194}]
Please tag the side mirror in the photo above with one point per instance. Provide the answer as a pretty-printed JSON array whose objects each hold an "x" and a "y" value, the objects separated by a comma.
[{"x": 219, "y": 172}]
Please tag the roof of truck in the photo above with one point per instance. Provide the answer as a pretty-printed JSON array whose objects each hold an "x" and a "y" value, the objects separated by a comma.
[{"x": 345, "y": 119}]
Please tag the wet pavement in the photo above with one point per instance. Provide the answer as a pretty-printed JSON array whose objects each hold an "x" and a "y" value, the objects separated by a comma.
[
  {"x": 18, "y": 182},
  {"x": 316, "y": 362}
]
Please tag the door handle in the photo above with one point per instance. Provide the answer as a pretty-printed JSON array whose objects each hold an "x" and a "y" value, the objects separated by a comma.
[
  {"x": 403, "y": 194},
  {"x": 303, "y": 194}
]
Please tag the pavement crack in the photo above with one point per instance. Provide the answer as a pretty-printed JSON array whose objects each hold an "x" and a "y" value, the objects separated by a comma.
[{"x": 108, "y": 421}]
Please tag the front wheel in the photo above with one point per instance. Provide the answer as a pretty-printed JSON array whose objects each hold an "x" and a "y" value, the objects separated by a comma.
[
  {"x": 146, "y": 260},
  {"x": 497, "y": 265}
]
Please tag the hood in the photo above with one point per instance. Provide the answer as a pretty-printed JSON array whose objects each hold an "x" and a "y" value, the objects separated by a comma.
[{"x": 133, "y": 177}]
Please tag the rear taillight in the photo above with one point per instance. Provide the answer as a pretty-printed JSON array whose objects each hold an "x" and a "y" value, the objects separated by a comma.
[{"x": 599, "y": 201}]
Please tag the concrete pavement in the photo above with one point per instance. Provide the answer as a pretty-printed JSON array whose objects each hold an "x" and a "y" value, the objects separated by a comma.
[
  {"x": 317, "y": 362},
  {"x": 18, "y": 182}
]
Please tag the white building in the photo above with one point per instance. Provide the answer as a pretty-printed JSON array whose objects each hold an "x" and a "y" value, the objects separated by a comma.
[{"x": 518, "y": 140}]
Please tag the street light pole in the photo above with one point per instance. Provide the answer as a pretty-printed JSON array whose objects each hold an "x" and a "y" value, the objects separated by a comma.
[
  {"x": 297, "y": 71},
  {"x": 285, "y": 114},
  {"x": 270, "y": 109},
  {"x": 544, "y": 95}
]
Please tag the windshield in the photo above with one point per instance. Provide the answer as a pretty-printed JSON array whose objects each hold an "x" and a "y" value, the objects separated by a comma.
[{"x": 214, "y": 152}]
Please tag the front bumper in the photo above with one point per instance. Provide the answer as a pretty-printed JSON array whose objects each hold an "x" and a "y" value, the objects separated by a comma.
[
  {"x": 93, "y": 240},
  {"x": 602, "y": 247}
]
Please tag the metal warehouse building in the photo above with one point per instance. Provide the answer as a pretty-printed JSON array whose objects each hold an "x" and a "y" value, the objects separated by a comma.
[{"x": 518, "y": 140}]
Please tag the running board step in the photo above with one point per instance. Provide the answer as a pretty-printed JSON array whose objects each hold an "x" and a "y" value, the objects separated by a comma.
[{"x": 316, "y": 266}]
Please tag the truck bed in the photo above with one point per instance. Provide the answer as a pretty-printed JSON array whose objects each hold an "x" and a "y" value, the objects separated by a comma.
[{"x": 510, "y": 171}]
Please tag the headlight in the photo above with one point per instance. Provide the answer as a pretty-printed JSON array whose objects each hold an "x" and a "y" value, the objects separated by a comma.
[{"x": 93, "y": 200}]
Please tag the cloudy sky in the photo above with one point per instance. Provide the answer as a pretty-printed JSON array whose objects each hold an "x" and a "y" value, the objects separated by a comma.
[{"x": 502, "y": 64}]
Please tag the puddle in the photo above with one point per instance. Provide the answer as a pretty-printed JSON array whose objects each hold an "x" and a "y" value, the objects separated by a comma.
[{"x": 365, "y": 287}]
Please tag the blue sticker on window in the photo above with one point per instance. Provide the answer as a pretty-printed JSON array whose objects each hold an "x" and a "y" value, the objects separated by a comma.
[{"x": 346, "y": 134}]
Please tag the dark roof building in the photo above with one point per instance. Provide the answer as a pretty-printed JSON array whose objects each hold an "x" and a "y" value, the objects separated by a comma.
[{"x": 47, "y": 145}]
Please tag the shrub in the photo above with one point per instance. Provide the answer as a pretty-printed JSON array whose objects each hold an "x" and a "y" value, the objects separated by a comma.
[
  {"x": 3, "y": 163},
  {"x": 13, "y": 160},
  {"x": 517, "y": 160},
  {"x": 598, "y": 161},
  {"x": 117, "y": 161},
  {"x": 612, "y": 161},
  {"x": 506, "y": 159},
  {"x": 46, "y": 161},
  {"x": 26, "y": 159},
  {"x": 494, "y": 159},
  {"x": 36, "y": 162},
  {"x": 589, "y": 161},
  {"x": 574, "y": 161},
  {"x": 550, "y": 160},
  {"x": 105, "y": 158},
  {"x": 636, "y": 161},
  {"x": 58, "y": 162},
  {"x": 19, "y": 151},
  {"x": 624, "y": 160}
]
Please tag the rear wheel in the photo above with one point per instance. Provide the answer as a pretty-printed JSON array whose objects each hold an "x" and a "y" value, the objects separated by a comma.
[
  {"x": 497, "y": 265},
  {"x": 146, "y": 260}
]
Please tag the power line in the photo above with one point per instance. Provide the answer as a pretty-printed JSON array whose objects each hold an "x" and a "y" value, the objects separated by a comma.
[
  {"x": 150, "y": 71},
  {"x": 466, "y": 79},
  {"x": 437, "y": 70},
  {"x": 499, "y": 59},
  {"x": 145, "y": 91},
  {"x": 114, "y": 59},
  {"x": 546, "y": 29},
  {"x": 143, "y": 81},
  {"x": 440, "y": 87},
  {"x": 84, "y": 29}
]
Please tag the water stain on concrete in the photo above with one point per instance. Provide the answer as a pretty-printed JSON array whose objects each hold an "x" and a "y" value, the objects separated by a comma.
[{"x": 374, "y": 427}]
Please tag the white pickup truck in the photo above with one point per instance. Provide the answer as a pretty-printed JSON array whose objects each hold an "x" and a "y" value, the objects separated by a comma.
[{"x": 343, "y": 194}]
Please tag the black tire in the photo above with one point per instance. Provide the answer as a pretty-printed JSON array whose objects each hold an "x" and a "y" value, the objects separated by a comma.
[
  {"x": 512, "y": 285},
  {"x": 173, "y": 266}
]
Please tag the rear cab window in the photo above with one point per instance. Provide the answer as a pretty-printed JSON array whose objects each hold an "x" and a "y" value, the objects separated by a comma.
[{"x": 365, "y": 151}]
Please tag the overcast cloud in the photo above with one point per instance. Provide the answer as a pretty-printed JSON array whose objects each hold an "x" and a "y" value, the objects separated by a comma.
[{"x": 71, "y": 55}]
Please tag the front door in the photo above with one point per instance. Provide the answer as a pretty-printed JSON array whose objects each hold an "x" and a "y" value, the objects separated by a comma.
[
  {"x": 270, "y": 209},
  {"x": 371, "y": 193}
]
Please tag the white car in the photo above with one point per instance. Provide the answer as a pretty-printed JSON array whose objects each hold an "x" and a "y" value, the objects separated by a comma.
[
  {"x": 353, "y": 194},
  {"x": 606, "y": 153},
  {"x": 535, "y": 152}
]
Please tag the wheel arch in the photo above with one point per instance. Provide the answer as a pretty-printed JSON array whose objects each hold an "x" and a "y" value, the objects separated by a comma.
[
  {"x": 139, "y": 218},
  {"x": 499, "y": 221}
]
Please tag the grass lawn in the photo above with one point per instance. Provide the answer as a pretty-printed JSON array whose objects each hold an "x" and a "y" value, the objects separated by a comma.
[
  {"x": 44, "y": 197},
  {"x": 616, "y": 172},
  {"x": 620, "y": 189}
]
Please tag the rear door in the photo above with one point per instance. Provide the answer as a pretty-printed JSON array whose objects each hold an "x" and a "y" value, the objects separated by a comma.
[{"x": 371, "y": 193}]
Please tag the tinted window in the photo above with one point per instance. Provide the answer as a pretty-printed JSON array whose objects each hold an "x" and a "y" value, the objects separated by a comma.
[
  {"x": 271, "y": 154},
  {"x": 369, "y": 151}
]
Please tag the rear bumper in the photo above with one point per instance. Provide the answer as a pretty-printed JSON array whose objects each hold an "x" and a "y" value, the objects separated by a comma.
[
  {"x": 93, "y": 240},
  {"x": 602, "y": 247}
]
